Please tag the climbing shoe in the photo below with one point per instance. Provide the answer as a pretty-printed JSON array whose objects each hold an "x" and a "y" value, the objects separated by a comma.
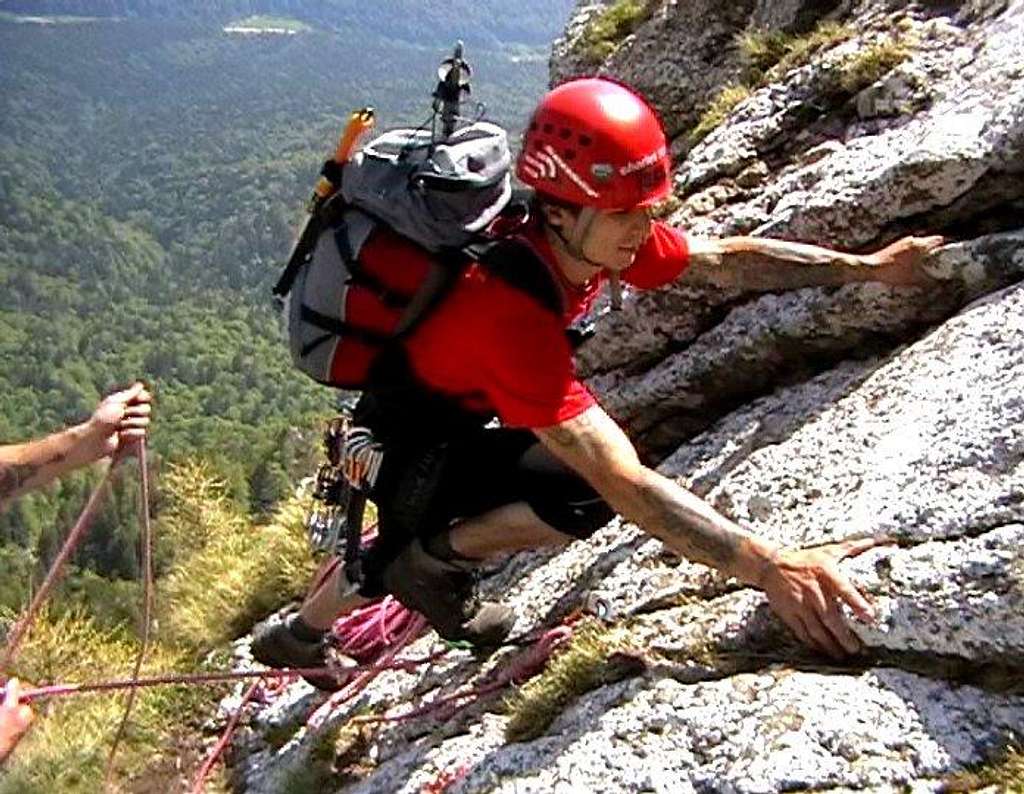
[
  {"x": 445, "y": 594},
  {"x": 275, "y": 644}
]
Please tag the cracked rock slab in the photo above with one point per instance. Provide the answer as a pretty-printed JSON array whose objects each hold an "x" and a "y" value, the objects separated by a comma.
[
  {"x": 930, "y": 446},
  {"x": 754, "y": 733}
]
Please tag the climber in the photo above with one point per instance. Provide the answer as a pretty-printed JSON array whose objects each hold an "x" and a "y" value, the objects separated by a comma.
[
  {"x": 113, "y": 430},
  {"x": 453, "y": 493}
]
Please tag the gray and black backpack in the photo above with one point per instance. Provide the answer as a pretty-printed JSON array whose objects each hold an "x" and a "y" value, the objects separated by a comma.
[{"x": 440, "y": 195}]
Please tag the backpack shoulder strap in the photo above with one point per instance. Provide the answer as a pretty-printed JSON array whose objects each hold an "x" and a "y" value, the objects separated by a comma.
[
  {"x": 445, "y": 268},
  {"x": 516, "y": 263}
]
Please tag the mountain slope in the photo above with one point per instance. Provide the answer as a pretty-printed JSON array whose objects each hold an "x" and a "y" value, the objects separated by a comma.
[{"x": 151, "y": 174}]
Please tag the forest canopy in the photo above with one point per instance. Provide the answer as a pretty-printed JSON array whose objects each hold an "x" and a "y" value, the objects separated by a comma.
[{"x": 152, "y": 171}]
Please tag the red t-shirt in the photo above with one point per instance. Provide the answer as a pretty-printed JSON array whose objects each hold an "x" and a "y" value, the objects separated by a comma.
[{"x": 497, "y": 350}]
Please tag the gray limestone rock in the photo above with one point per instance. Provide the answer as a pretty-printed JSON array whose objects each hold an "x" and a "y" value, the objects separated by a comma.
[
  {"x": 759, "y": 733},
  {"x": 566, "y": 57},
  {"x": 673, "y": 387},
  {"x": 903, "y": 454}
]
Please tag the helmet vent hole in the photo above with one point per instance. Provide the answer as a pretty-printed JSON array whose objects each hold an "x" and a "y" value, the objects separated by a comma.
[{"x": 585, "y": 140}]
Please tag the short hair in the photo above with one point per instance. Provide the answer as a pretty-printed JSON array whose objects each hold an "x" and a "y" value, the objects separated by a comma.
[{"x": 540, "y": 201}]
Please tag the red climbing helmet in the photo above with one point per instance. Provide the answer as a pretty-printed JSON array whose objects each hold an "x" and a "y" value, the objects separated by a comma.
[{"x": 596, "y": 143}]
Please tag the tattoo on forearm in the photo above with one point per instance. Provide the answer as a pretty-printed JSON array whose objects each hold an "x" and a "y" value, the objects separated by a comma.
[
  {"x": 757, "y": 263},
  {"x": 698, "y": 537},
  {"x": 14, "y": 477}
]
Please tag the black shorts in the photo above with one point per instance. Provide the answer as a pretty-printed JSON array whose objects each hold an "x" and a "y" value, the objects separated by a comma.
[{"x": 423, "y": 489}]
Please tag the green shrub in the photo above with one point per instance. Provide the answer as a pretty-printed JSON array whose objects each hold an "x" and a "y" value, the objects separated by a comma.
[
  {"x": 227, "y": 572},
  {"x": 606, "y": 31},
  {"x": 1004, "y": 773},
  {"x": 67, "y": 748},
  {"x": 224, "y": 573}
]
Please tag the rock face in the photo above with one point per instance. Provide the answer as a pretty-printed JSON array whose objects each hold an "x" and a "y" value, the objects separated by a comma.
[{"x": 808, "y": 416}]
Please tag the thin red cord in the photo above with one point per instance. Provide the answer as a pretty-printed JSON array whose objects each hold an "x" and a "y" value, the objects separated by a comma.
[
  {"x": 56, "y": 569},
  {"x": 354, "y": 636},
  {"x": 147, "y": 608},
  {"x": 204, "y": 771}
]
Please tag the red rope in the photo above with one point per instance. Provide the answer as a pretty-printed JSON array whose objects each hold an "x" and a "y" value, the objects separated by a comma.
[
  {"x": 365, "y": 633},
  {"x": 412, "y": 629},
  {"x": 527, "y": 665},
  {"x": 147, "y": 607},
  {"x": 362, "y": 636},
  {"x": 204, "y": 771},
  {"x": 445, "y": 780},
  {"x": 219, "y": 677},
  {"x": 53, "y": 576}
]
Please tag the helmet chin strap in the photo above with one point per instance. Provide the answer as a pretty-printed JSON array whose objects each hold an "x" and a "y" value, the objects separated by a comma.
[{"x": 574, "y": 247}]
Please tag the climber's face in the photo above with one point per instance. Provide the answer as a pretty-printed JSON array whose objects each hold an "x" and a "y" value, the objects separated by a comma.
[
  {"x": 608, "y": 239},
  {"x": 615, "y": 236}
]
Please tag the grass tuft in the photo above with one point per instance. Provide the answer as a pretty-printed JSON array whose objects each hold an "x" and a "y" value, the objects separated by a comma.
[
  {"x": 770, "y": 55},
  {"x": 719, "y": 109},
  {"x": 871, "y": 63},
  {"x": 606, "y": 31},
  {"x": 803, "y": 48},
  {"x": 1004, "y": 773},
  {"x": 595, "y": 656},
  {"x": 762, "y": 49}
]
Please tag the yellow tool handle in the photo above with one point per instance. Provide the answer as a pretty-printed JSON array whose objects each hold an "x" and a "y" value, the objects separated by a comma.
[{"x": 359, "y": 123}]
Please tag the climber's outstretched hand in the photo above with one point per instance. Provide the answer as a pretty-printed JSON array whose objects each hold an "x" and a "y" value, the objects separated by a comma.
[
  {"x": 900, "y": 264},
  {"x": 806, "y": 590}
]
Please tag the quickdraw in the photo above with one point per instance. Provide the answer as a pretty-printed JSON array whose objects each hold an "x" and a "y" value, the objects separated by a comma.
[{"x": 335, "y": 523}]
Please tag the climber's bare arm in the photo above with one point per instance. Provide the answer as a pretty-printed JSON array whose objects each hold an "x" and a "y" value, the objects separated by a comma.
[
  {"x": 762, "y": 263},
  {"x": 120, "y": 420},
  {"x": 28, "y": 465},
  {"x": 803, "y": 586},
  {"x": 596, "y": 447}
]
